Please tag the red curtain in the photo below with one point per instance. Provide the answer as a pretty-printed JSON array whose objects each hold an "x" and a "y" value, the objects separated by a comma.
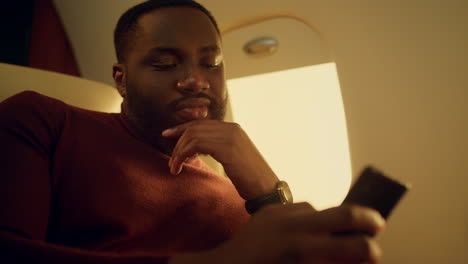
[{"x": 50, "y": 49}]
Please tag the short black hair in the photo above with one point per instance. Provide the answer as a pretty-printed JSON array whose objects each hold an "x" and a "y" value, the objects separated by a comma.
[{"x": 127, "y": 24}]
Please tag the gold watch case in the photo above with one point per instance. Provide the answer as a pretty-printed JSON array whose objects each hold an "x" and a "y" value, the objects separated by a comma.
[{"x": 284, "y": 192}]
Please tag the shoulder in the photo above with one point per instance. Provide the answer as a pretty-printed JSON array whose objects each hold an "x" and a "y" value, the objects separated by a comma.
[
  {"x": 33, "y": 108},
  {"x": 32, "y": 117},
  {"x": 29, "y": 100}
]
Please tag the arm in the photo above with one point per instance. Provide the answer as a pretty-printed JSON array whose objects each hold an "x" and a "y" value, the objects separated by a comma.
[
  {"x": 15, "y": 248},
  {"x": 273, "y": 235},
  {"x": 276, "y": 234},
  {"x": 29, "y": 126},
  {"x": 229, "y": 145},
  {"x": 296, "y": 233}
]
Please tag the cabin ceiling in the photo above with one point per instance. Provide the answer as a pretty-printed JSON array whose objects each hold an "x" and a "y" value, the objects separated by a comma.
[{"x": 90, "y": 23}]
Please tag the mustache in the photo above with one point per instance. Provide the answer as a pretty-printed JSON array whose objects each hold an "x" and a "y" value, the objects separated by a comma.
[{"x": 172, "y": 105}]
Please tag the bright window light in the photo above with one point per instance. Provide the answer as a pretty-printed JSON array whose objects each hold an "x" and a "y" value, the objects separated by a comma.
[{"x": 296, "y": 119}]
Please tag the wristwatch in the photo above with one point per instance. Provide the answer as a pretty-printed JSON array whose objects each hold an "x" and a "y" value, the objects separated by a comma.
[{"x": 282, "y": 195}]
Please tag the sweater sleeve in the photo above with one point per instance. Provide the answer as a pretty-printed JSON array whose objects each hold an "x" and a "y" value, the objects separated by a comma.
[
  {"x": 30, "y": 126},
  {"x": 27, "y": 135}
]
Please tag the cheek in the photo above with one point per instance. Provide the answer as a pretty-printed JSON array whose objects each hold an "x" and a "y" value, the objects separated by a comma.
[
  {"x": 218, "y": 85},
  {"x": 155, "y": 85},
  {"x": 144, "y": 99}
]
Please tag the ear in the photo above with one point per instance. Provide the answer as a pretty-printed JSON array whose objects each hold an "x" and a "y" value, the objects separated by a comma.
[{"x": 120, "y": 79}]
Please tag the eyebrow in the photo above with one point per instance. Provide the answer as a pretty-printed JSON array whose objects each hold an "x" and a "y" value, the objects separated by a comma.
[
  {"x": 212, "y": 48},
  {"x": 176, "y": 51}
]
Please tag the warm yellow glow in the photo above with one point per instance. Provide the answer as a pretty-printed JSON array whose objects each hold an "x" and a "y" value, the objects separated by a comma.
[
  {"x": 296, "y": 118},
  {"x": 72, "y": 90}
]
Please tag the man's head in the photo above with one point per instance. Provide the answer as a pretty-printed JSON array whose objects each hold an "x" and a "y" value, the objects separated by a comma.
[
  {"x": 170, "y": 67},
  {"x": 127, "y": 25}
]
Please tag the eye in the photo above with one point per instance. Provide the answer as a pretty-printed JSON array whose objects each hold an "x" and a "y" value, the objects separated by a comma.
[
  {"x": 212, "y": 61},
  {"x": 211, "y": 66},
  {"x": 163, "y": 67}
]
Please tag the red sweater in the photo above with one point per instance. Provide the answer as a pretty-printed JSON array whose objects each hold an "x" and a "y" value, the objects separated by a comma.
[{"x": 82, "y": 179}]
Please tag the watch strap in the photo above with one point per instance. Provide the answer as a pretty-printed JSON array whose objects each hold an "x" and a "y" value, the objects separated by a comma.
[{"x": 254, "y": 205}]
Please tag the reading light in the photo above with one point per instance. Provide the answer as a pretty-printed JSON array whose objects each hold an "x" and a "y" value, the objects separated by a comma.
[{"x": 261, "y": 46}]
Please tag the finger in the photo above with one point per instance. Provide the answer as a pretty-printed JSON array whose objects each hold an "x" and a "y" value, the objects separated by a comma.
[
  {"x": 289, "y": 210},
  {"x": 176, "y": 161},
  {"x": 198, "y": 138},
  {"x": 329, "y": 249},
  {"x": 176, "y": 131},
  {"x": 340, "y": 219},
  {"x": 188, "y": 148},
  {"x": 358, "y": 249},
  {"x": 176, "y": 164}
]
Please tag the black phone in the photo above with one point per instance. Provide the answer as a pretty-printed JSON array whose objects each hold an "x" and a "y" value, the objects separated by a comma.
[{"x": 376, "y": 190}]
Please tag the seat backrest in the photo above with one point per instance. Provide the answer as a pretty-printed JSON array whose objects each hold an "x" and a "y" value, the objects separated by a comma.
[{"x": 69, "y": 89}]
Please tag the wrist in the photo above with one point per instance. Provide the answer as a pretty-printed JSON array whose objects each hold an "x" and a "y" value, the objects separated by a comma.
[
  {"x": 251, "y": 181},
  {"x": 262, "y": 187},
  {"x": 280, "y": 195}
]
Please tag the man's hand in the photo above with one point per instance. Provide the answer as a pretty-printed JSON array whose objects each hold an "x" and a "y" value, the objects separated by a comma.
[
  {"x": 229, "y": 145},
  {"x": 296, "y": 233}
]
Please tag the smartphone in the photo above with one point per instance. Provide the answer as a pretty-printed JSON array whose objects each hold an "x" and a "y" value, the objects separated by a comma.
[{"x": 376, "y": 190}]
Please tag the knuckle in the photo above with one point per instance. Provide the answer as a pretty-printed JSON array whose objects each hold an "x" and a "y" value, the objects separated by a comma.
[
  {"x": 192, "y": 135},
  {"x": 236, "y": 126},
  {"x": 305, "y": 206},
  {"x": 275, "y": 216},
  {"x": 271, "y": 209},
  {"x": 192, "y": 129},
  {"x": 349, "y": 214},
  {"x": 189, "y": 133},
  {"x": 195, "y": 141},
  {"x": 295, "y": 250},
  {"x": 369, "y": 249},
  {"x": 364, "y": 247}
]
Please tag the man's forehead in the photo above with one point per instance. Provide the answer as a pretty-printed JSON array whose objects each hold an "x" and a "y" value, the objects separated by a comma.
[{"x": 172, "y": 25}]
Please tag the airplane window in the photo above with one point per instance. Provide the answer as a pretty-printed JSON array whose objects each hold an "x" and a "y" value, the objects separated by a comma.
[{"x": 296, "y": 118}]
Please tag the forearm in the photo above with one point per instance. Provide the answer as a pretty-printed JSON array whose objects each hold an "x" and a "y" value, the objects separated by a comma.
[
  {"x": 16, "y": 249},
  {"x": 254, "y": 178}
]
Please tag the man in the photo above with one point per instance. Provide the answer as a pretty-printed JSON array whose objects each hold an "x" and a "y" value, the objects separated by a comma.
[{"x": 87, "y": 187}]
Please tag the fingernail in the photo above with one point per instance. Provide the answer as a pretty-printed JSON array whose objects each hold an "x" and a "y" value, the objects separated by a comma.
[
  {"x": 180, "y": 169},
  {"x": 172, "y": 168},
  {"x": 168, "y": 132},
  {"x": 379, "y": 220}
]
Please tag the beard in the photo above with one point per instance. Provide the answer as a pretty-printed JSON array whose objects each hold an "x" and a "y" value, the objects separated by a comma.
[{"x": 150, "y": 117}]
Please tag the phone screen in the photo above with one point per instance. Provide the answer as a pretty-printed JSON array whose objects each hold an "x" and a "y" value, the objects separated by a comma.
[{"x": 376, "y": 190}]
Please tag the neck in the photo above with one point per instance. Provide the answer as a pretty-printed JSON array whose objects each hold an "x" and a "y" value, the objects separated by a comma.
[{"x": 147, "y": 134}]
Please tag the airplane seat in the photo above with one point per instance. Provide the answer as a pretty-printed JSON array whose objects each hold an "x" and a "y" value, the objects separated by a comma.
[{"x": 72, "y": 90}]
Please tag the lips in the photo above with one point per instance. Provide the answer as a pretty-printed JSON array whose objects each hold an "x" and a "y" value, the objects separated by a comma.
[
  {"x": 193, "y": 103},
  {"x": 193, "y": 109}
]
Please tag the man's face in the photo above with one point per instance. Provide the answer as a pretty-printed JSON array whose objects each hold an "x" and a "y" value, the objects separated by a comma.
[{"x": 174, "y": 72}]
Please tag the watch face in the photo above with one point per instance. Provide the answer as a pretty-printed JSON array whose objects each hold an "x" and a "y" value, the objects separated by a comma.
[{"x": 285, "y": 192}]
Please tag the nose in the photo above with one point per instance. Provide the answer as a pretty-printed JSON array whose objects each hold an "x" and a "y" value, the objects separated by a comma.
[{"x": 193, "y": 82}]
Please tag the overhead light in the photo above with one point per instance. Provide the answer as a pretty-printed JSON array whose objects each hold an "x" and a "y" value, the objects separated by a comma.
[{"x": 262, "y": 46}]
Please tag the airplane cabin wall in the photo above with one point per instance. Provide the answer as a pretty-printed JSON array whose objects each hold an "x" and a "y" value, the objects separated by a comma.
[{"x": 402, "y": 68}]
